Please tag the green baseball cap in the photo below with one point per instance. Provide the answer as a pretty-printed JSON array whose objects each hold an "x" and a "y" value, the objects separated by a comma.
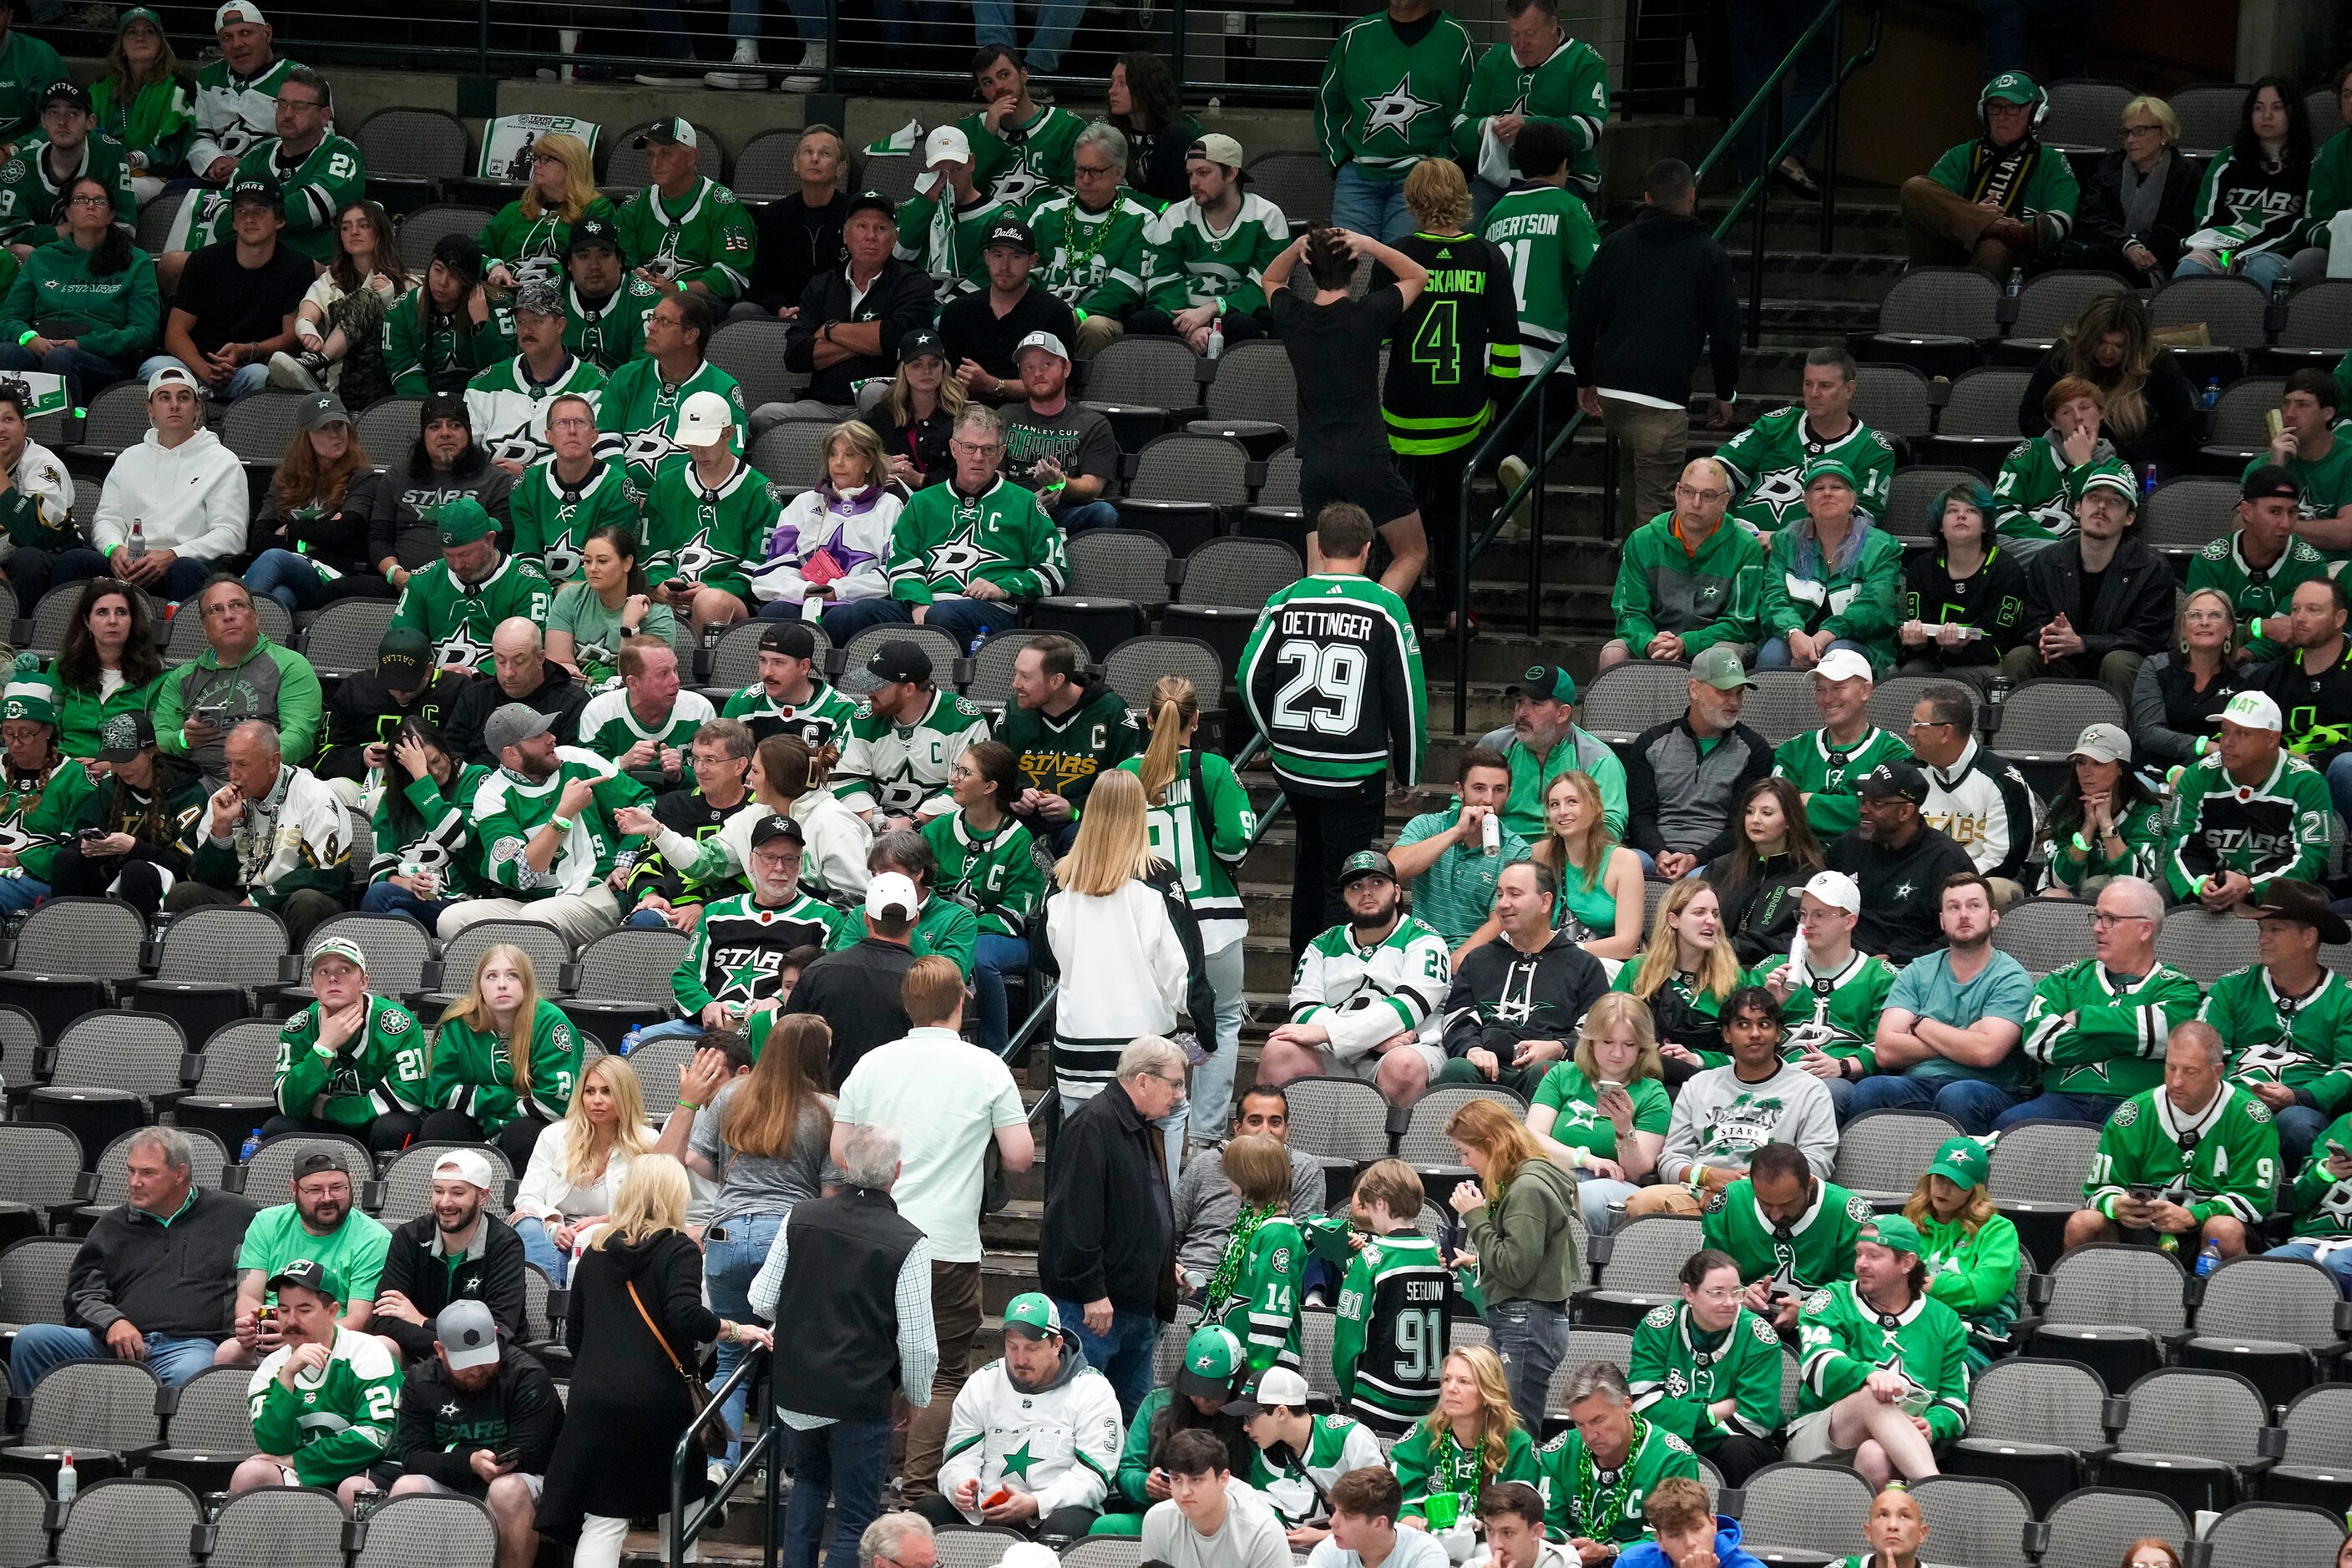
[
  {"x": 1032, "y": 1313},
  {"x": 1895, "y": 1232},
  {"x": 1365, "y": 863},
  {"x": 1544, "y": 680},
  {"x": 462, "y": 522},
  {"x": 2010, "y": 87},
  {"x": 1212, "y": 1359},
  {"x": 341, "y": 947},
  {"x": 1961, "y": 1161},
  {"x": 1719, "y": 666},
  {"x": 1825, "y": 468},
  {"x": 2112, "y": 475},
  {"x": 309, "y": 1273}
]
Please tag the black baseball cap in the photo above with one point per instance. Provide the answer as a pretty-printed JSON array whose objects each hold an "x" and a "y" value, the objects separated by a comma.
[
  {"x": 309, "y": 1273},
  {"x": 2270, "y": 480},
  {"x": 922, "y": 340},
  {"x": 790, "y": 638},
  {"x": 897, "y": 660},
  {"x": 318, "y": 1160},
  {"x": 403, "y": 660},
  {"x": 445, "y": 405},
  {"x": 257, "y": 188},
  {"x": 1011, "y": 231},
  {"x": 1893, "y": 780},
  {"x": 776, "y": 827},
  {"x": 65, "y": 91},
  {"x": 593, "y": 234},
  {"x": 1366, "y": 863},
  {"x": 125, "y": 735},
  {"x": 874, "y": 200}
]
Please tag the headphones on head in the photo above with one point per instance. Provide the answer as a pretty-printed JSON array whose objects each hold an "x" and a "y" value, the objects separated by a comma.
[{"x": 2041, "y": 104}]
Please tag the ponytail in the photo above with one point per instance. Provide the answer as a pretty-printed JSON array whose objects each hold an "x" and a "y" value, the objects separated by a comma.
[{"x": 1174, "y": 711}]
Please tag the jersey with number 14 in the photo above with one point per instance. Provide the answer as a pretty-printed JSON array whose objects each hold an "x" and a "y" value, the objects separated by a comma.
[
  {"x": 1547, "y": 236},
  {"x": 1332, "y": 675}
]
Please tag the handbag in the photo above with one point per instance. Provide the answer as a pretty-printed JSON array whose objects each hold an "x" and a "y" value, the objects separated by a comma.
[{"x": 708, "y": 1421}]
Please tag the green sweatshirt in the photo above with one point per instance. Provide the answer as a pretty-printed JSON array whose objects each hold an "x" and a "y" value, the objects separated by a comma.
[
  {"x": 381, "y": 1068},
  {"x": 945, "y": 926},
  {"x": 1862, "y": 603},
  {"x": 154, "y": 124},
  {"x": 81, "y": 715},
  {"x": 1703, "y": 597},
  {"x": 1569, "y": 89},
  {"x": 1064, "y": 756},
  {"x": 1975, "y": 1274},
  {"x": 471, "y": 1071},
  {"x": 1525, "y": 1237},
  {"x": 124, "y": 313}
]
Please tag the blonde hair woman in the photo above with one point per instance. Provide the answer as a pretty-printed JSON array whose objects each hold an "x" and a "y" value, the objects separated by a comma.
[
  {"x": 638, "y": 1317},
  {"x": 529, "y": 236},
  {"x": 1520, "y": 1217},
  {"x": 919, "y": 413},
  {"x": 1468, "y": 1442},
  {"x": 1684, "y": 973},
  {"x": 1600, "y": 879},
  {"x": 504, "y": 1061},
  {"x": 1119, "y": 930},
  {"x": 1612, "y": 1095},
  {"x": 579, "y": 1163},
  {"x": 2177, "y": 693},
  {"x": 1971, "y": 1250}
]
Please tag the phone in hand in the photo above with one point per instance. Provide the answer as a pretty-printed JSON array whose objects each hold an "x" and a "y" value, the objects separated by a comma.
[
  {"x": 2141, "y": 1192},
  {"x": 507, "y": 1457},
  {"x": 90, "y": 835}
]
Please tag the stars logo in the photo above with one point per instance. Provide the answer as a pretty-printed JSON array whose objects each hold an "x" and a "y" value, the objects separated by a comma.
[
  {"x": 901, "y": 796},
  {"x": 1780, "y": 490},
  {"x": 1394, "y": 110},
  {"x": 1904, "y": 891},
  {"x": 516, "y": 446},
  {"x": 1017, "y": 1463},
  {"x": 2337, "y": 1205},
  {"x": 14, "y": 838},
  {"x": 450, "y": 1408},
  {"x": 562, "y": 563},
  {"x": 460, "y": 647},
  {"x": 649, "y": 448},
  {"x": 2268, "y": 1061},
  {"x": 696, "y": 557},
  {"x": 962, "y": 558}
]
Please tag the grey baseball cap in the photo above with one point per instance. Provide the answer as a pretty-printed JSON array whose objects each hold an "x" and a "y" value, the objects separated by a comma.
[
  {"x": 1719, "y": 666},
  {"x": 514, "y": 724},
  {"x": 468, "y": 1334}
]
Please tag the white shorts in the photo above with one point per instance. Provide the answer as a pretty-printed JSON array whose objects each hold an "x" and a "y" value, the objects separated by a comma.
[
  {"x": 1368, "y": 1065},
  {"x": 1809, "y": 1441}
]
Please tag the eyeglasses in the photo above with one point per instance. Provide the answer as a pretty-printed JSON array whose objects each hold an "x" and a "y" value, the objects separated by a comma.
[
  {"x": 90, "y": 202},
  {"x": 1931, "y": 723},
  {"x": 300, "y": 102},
  {"x": 2145, "y": 131},
  {"x": 977, "y": 449},
  {"x": 1096, "y": 169},
  {"x": 1720, "y": 1296},
  {"x": 1174, "y": 1083},
  {"x": 1687, "y": 492},
  {"x": 2100, "y": 918}
]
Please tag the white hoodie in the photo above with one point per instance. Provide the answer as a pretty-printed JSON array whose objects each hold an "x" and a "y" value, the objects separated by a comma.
[{"x": 190, "y": 498}]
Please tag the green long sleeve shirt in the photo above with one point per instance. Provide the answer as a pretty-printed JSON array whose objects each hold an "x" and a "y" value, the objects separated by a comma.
[
  {"x": 1567, "y": 89},
  {"x": 1704, "y": 595},
  {"x": 2044, "y": 192},
  {"x": 121, "y": 313}
]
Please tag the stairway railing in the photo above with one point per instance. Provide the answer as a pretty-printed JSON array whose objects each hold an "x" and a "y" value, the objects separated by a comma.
[
  {"x": 689, "y": 1523},
  {"x": 1505, "y": 431}
]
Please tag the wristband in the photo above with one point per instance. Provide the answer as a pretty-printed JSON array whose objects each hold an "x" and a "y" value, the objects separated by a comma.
[
  {"x": 30, "y": 333},
  {"x": 690, "y": 1106},
  {"x": 2080, "y": 847},
  {"x": 561, "y": 824},
  {"x": 109, "y": 549}
]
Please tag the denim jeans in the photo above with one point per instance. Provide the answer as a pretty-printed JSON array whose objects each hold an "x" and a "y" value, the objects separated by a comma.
[
  {"x": 846, "y": 1461},
  {"x": 18, "y": 894},
  {"x": 2052, "y": 1106},
  {"x": 40, "y": 1348},
  {"x": 1089, "y": 514},
  {"x": 34, "y": 573},
  {"x": 384, "y": 898},
  {"x": 2339, "y": 784},
  {"x": 538, "y": 1246},
  {"x": 1971, "y": 1102},
  {"x": 2264, "y": 268},
  {"x": 675, "y": 1029},
  {"x": 2299, "y": 1127},
  {"x": 743, "y": 19},
  {"x": 2339, "y": 1263},
  {"x": 1212, "y": 1094},
  {"x": 248, "y": 380},
  {"x": 994, "y": 957},
  {"x": 729, "y": 1264},
  {"x": 1774, "y": 655},
  {"x": 1763, "y": 33},
  {"x": 1123, "y": 1355},
  {"x": 1364, "y": 204},
  {"x": 1593, "y": 1197},
  {"x": 290, "y": 578},
  {"x": 1057, "y": 23},
  {"x": 969, "y": 622},
  {"x": 1530, "y": 1337}
]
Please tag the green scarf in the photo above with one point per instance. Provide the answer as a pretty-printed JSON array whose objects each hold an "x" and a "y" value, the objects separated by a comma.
[{"x": 1237, "y": 1249}]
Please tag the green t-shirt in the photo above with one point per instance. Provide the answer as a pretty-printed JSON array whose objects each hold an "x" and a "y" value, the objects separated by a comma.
[
  {"x": 1578, "y": 1122},
  {"x": 354, "y": 1249},
  {"x": 596, "y": 632}
]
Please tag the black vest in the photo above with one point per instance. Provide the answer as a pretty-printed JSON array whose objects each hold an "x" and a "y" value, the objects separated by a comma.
[{"x": 837, "y": 1312}]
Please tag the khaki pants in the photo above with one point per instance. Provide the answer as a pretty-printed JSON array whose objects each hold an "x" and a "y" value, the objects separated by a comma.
[
  {"x": 955, "y": 1319},
  {"x": 1654, "y": 440},
  {"x": 581, "y": 917},
  {"x": 1945, "y": 229},
  {"x": 1667, "y": 1198},
  {"x": 1096, "y": 333}
]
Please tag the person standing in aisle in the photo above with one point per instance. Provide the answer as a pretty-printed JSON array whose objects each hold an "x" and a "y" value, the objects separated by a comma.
[{"x": 1391, "y": 91}]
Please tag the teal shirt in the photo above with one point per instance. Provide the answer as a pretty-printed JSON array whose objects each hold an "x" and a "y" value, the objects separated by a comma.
[
  {"x": 2002, "y": 989},
  {"x": 1455, "y": 895}
]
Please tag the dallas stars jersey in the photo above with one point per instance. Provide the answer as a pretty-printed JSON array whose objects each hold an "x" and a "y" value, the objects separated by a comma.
[
  {"x": 1584, "y": 1502},
  {"x": 609, "y": 726},
  {"x": 902, "y": 769},
  {"x": 510, "y": 409},
  {"x": 1568, "y": 88},
  {"x": 997, "y": 877},
  {"x": 610, "y": 335},
  {"x": 708, "y": 534},
  {"x": 1837, "y": 1015},
  {"x": 1384, "y": 104},
  {"x": 1261, "y": 1308},
  {"x": 2255, "y": 593},
  {"x": 1842, "y": 1339},
  {"x": 2291, "y": 1040},
  {"x": 1091, "y": 261},
  {"x": 2284, "y": 826},
  {"x": 472, "y": 1072},
  {"x": 637, "y": 420},
  {"x": 1186, "y": 262},
  {"x": 2222, "y": 1160},
  {"x": 1547, "y": 238},
  {"x": 2322, "y": 1205},
  {"x": 821, "y": 720},
  {"x": 1060, "y": 1444},
  {"x": 1815, "y": 1249},
  {"x": 1678, "y": 1370},
  {"x": 2245, "y": 208},
  {"x": 737, "y": 952},
  {"x": 552, "y": 521},
  {"x": 2034, "y": 492},
  {"x": 335, "y": 1422},
  {"x": 945, "y": 540},
  {"x": 1391, "y": 1330},
  {"x": 2114, "y": 1044},
  {"x": 1298, "y": 1489},
  {"x": 532, "y": 248},
  {"x": 319, "y": 184},
  {"x": 32, "y": 204},
  {"x": 1332, "y": 676},
  {"x": 460, "y": 617},
  {"x": 707, "y": 237},
  {"x": 1455, "y": 352},
  {"x": 1366, "y": 994},
  {"x": 1826, "y": 773},
  {"x": 440, "y": 843},
  {"x": 1426, "y": 1462},
  {"x": 234, "y": 112},
  {"x": 1065, "y": 755},
  {"x": 422, "y": 345},
  {"x": 1019, "y": 163},
  {"x": 507, "y": 810},
  {"x": 945, "y": 238},
  {"x": 1767, "y": 462},
  {"x": 1204, "y": 828},
  {"x": 381, "y": 1068},
  {"x": 36, "y": 812}
]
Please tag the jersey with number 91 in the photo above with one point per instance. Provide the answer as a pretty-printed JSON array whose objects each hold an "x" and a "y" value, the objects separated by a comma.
[{"x": 1390, "y": 1333}]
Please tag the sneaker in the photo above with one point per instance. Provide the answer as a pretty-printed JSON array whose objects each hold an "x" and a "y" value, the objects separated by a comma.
[
  {"x": 1508, "y": 473},
  {"x": 736, "y": 81},
  {"x": 655, "y": 79},
  {"x": 304, "y": 372},
  {"x": 808, "y": 76}
]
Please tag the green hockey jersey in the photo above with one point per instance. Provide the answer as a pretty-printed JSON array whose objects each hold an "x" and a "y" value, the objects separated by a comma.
[
  {"x": 1861, "y": 602},
  {"x": 1391, "y": 1330},
  {"x": 705, "y": 238},
  {"x": 552, "y": 519},
  {"x": 1547, "y": 236},
  {"x": 1064, "y": 756},
  {"x": 1836, "y": 1014},
  {"x": 39, "y": 811},
  {"x": 993, "y": 875},
  {"x": 2304, "y": 1042},
  {"x": 945, "y": 238},
  {"x": 609, "y": 726},
  {"x": 2142, "y": 831},
  {"x": 32, "y": 204},
  {"x": 1703, "y": 596},
  {"x": 459, "y": 618},
  {"x": 736, "y": 955},
  {"x": 2321, "y": 1203},
  {"x": 1204, "y": 828},
  {"x": 901, "y": 770},
  {"x": 420, "y": 344},
  {"x": 2034, "y": 492},
  {"x": 1188, "y": 262},
  {"x": 1091, "y": 261},
  {"x": 532, "y": 248},
  {"x": 2224, "y": 1160},
  {"x": 1455, "y": 355},
  {"x": 2255, "y": 593},
  {"x": 1583, "y": 1502},
  {"x": 1842, "y": 1339},
  {"x": 1568, "y": 88},
  {"x": 821, "y": 720},
  {"x": 610, "y": 333},
  {"x": 1363, "y": 996},
  {"x": 434, "y": 836},
  {"x": 381, "y": 1068},
  {"x": 1814, "y": 1250},
  {"x": 472, "y": 1072},
  {"x": 1019, "y": 165},
  {"x": 335, "y": 1422},
  {"x": 944, "y": 540},
  {"x": 1767, "y": 464},
  {"x": 709, "y": 534},
  {"x": 506, "y": 810},
  {"x": 1428, "y": 1462},
  {"x": 1384, "y": 104},
  {"x": 637, "y": 420},
  {"x": 233, "y": 111},
  {"x": 1255, "y": 1291},
  {"x": 1826, "y": 773},
  {"x": 1296, "y": 1488},
  {"x": 1332, "y": 677},
  {"x": 318, "y": 186},
  {"x": 941, "y": 926},
  {"x": 2284, "y": 826},
  {"x": 2098, "y": 1033},
  {"x": 1678, "y": 1370},
  {"x": 510, "y": 409}
]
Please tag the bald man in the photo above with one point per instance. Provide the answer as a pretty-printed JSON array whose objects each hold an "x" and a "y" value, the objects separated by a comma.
[
  {"x": 1687, "y": 578},
  {"x": 274, "y": 837},
  {"x": 520, "y": 672}
]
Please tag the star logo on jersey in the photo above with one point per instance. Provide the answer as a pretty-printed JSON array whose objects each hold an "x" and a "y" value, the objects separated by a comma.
[
  {"x": 1780, "y": 490},
  {"x": 562, "y": 563},
  {"x": 2269, "y": 1061},
  {"x": 1017, "y": 1463},
  {"x": 14, "y": 838},
  {"x": 962, "y": 557},
  {"x": 1904, "y": 891},
  {"x": 649, "y": 448},
  {"x": 516, "y": 446},
  {"x": 746, "y": 977},
  {"x": 901, "y": 796},
  {"x": 450, "y": 1408},
  {"x": 2337, "y": 1205},
  {"x": 460, "y": 647},
  {"x": 696, "y": 557},
  {"x": 1394, "y": 110}
]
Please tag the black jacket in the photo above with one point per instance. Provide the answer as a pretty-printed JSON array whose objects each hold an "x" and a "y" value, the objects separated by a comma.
[
  {"x": 1501, "y": 996},
  {"x": 900, "y": 299},
  {"x": 1659, "y": 294},
  {"x": 1759, "y": 915},
  {"x": 558, "y": 695},
  {"x": 411, "y": 1268},
  {"x": 363, "y": 712},
  {"x": 2176, "y": 420},
  {"x": 178, "y": 1280},
  {"x": 797, "y": 241},
  {"x": 441, "y": 1425},
  {"x": 856, "y": 990},
  {"x": 924, "y": 442},
  {"x": 2134, "y": 612},
  {"x": 1703, "y": 788},
  {"x": 1902, "y": 890},
  {"x": 340, "y": 539},
  {"x": 970, "y": 328},
  {"x": 2099, "y": 215},
  {"x": 1110, "y": 1230}
]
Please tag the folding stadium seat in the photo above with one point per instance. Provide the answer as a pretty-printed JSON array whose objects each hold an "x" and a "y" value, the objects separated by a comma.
[
  {"x": 2082, "y": 115},
  {"x": 23, "y": 1520},
  {"x": 1979, "y": 426},
  {"x": 1891, "y": 699},
  {"x": 752, "y": 350},
  {"x": 991, "y": 684},
  {"x": 847, "y": 663},
  {"x": 2046, "y": 934},
  {"x": 1627, "y": 699},
  {"x": 1974, "y": 1521},
  {"x": 1880, "y": 1153},
  {"x": 735, "y": 662},
  {"x": 1342, "y": 1119},
  {"x": 1117, "y": 577},
  {"x": 2043, "y": 718},
  {"x": 212, "y": 966},
  {"x": 1253, "y": 399},
  {"x": 2037, "y": 1425},
  {"x": 40, "y": 1176},
  {"x": 626, "y": 169},
  {"x": 2239, "y": 429},
  {"x": 2268, "y": 1534},
  {"x": 2317, "y": 330},
  {"x": 1299, "y": 183},
  {"x": 1423, "y": 1140},
  {"x": 2209, "y": 114},
  {"x": 657, "y": 1063},
  {"x": 407, "y": 1183},
  {"x": 185, "y": 643},
  {"x": 544, "y": 1308},
  {"x": 2091, "y": 1528},
  {"x": 131, "y": 1524},
  {"x": 1222, "y": 586},
  {"x": 2279, "y": 1323},
  {"x": 763, "y": 169},
  {"x": 341, "y": 638},
  {"x": 792, "y": 455},
  {"x": 115, "y": 421},
  {"x": 1585, "y": 1346},
  {"x": 1278, "y": 510},
  {"x": 2232, "y": 310},
  {"x": 237, "y": 1091},
  {"x": 2196, "y": 1437},
  {"x": 550, "y": 955},
  {"x": 1144, "y": 387},
  {"x": 1894, "y": 400},
  {"x": 67, "y": 957},
  {"x": 1915, "y": 501},
  {"x": 1933, "y": 317},
  {"x": 276, "y": 1527},
  {"x": 1780, "y": 708},
  {"x": 625, "y": 981},
  {"x": 1104, "y": 1552},
  {"x": 2185, "y": 515},
  {"x": 388, "y": 429},
  {"x": 207, "y": 1430},
  {"x": 109, "y": 1176},
  {"x": 2314, "y": 1466},
  {"x": 33, "y": 1275},
  {"x": 1135, "y": 666},
  {"x": 1184, "y": 487},
  {"x": 1802, "y": 1514},
  {"x": 449, "y": 1532},
  {"x": 1167, "y": 1350},
  {"x": 2048, "y": 305},
  {"x": 418, "y": 151},
  {"x": 973, "y": 1548},
  {"x": 1635, "y": 1269},
  {"x": 396, "y": 948},
  {"x": 2111, "y": 1306},
  {"x": 112, "y": 1071},
  {"x": 2203, "y": 945},
  {"x": 103, "y": 1409}
]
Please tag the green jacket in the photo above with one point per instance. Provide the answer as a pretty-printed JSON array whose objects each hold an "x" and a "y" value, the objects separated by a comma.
[
  {"x": 1525, "y": 1237},
  {"x": 1976, "y": 1277},
  {"x": 154, "y": 125},
  {"x": 1861, "y": 602},
  {"x": 27, "y": 66},
  {"x": 123, "y": 311},
  {"x": 81, "y": 715},
  {"x": 945, "y": 926},
  {"x": 1704, "y": 598},
  {"x": 2045, "y": 196}
]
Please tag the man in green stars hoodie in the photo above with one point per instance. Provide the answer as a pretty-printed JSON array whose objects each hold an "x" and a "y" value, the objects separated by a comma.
[
  {"x": 1685, "y": 581},
  {"x": 1999, "y": 202}
]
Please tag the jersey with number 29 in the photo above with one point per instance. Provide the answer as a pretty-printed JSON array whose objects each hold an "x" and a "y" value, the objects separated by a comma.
[{"x": 1332, "y": 675}]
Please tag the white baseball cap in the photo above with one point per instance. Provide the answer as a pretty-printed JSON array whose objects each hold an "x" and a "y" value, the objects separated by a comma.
[
  {"x": 467, "y": 1165},
  {"x": 704, "y": 419},
  {"x": 892, "y": 890},
  {"x": 1836, "y": 889},
  {"x": 1275, "y": 1386},
  {"x": 1843, "y": 664},
  {"x": 2254, "y": 710},
  {"x": 174, "y": 375},
  {"x": 947, "y": 144},
  {"x": 238, "y": 11}
]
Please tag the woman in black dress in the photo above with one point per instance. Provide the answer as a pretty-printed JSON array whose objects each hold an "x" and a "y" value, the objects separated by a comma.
[{"x": 613, "y": 1462}]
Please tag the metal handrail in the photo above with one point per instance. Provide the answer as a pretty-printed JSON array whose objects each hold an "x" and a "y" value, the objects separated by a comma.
[{"x": 769, "y": 1445}]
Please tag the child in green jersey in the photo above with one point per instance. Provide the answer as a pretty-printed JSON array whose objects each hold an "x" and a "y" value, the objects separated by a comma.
[
  {"x": 504, "y": 1061},
  {"x": 1256, "y": 1289}
]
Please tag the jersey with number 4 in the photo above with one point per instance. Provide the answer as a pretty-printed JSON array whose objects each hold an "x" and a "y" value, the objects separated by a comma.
[
  {"x": 1547, "y": 238},
  {"x": 1390, "y": 1334},
  {"x": 1455, "y": 352},
  {"x": 1332, "y": 675}
]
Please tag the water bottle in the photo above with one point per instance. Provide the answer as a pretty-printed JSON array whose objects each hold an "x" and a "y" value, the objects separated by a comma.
[
  {"x": 2016, "y": 282},
  {"x": 252, "y": 1143},
  {"x": 69, "y": 1479},
  {"x": 137, "y": 548},
  {"x": 2208, "y": 1259},
  {"x": 1996, "y": 698},
  {"x": 2147, "y": 481},
  {"x": 2212, "y": 391},
  {"x": 629, "y": 1040}
]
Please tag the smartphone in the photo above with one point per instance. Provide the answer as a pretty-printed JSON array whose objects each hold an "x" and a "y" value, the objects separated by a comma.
[
  {"x": 2338, "y": 1150},
  {"x": 506, "y": 1457},
  {"x": 2141, "y": 1192},
  {"x": 88, "y": 834}
]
